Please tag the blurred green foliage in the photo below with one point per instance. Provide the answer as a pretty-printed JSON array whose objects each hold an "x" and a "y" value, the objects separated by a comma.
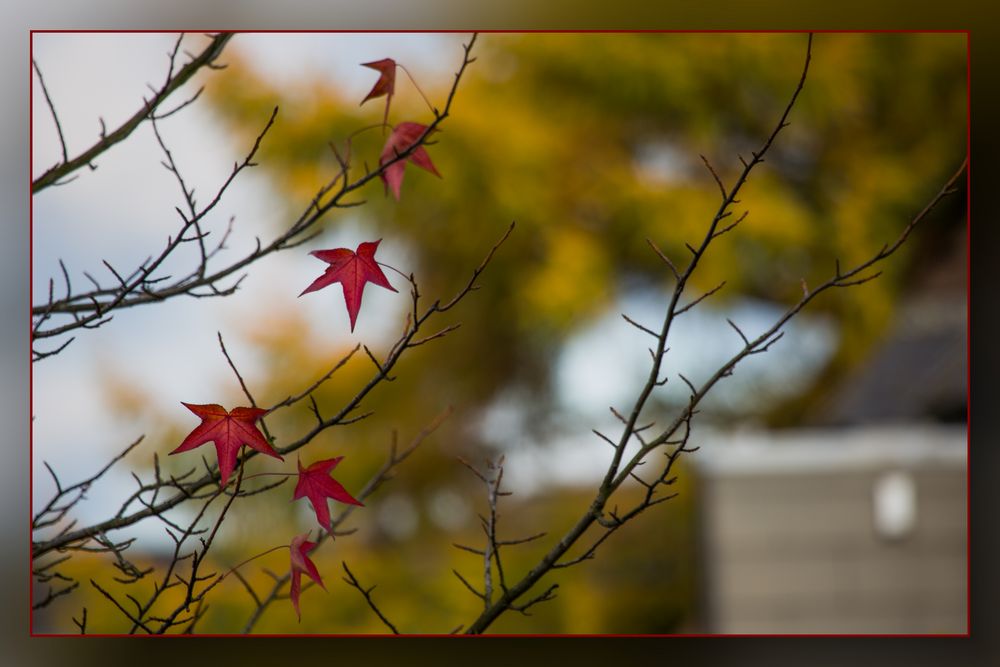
[{"x": 591, "y": 143}]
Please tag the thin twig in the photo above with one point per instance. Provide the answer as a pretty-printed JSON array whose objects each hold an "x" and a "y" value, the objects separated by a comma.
[
  {"x": 52, "y": 109},
  {"x": 353, "y": 581}
]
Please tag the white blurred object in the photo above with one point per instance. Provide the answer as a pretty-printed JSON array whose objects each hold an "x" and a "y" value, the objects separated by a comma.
[{"x": 895, "y": 505}]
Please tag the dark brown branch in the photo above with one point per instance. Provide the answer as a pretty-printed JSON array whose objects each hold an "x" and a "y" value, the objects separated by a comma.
[
  {"x": 52, "y": 594},
  {"x": 170, "y": 578},
  {"x": 473, "y": 550},
  {"x": 239, "y": 378},
  {"x": 353, "y": 581},
  {"x": 122, "y": 609},
  {"x": 291, "y": 400},
  {"x": 440, "y": 334},
  {"x": 472, "y": 589},
  {"x": 52, "y": 109},
  {"x": 700, "y": 298},
  {"x": 80, "y": 488},
  {"x": 82, "y": 623},
  {"x": 666, "y": 260},
  {"x": 545, "y": 596},
  {"x": 107, "y": 140},
  {"x": 471, "y": 285},
  {"x": 715, "y": 176},
  {"x": 640, "y": 327}
]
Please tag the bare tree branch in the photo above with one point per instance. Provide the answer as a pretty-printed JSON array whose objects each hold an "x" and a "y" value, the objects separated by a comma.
[
  {"x": 90, "y": 309},
  {"x": 211, "y": 477},
  {"x": 52, "y": 109},
  {"x": 173, "y": 82},
  {"x": 353, "y": 581},
  {"x": 619, "y": 470}
]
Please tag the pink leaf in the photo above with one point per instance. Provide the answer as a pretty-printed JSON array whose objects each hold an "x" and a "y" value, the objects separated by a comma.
[
  {"x": 300, "y": 547},
  {"x": 386, "y": 84},
  {"x": 402, "y": 138},
  {"x": 316, "y": 484},
  {"x": 229, "y": 431}
]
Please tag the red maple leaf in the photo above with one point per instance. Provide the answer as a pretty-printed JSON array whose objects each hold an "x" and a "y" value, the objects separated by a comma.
[
  {"x": 352, "y": 269},
  {"x": 316, "y": 484},
  {"x": 386, "y": 84},
  {"x": 229, "y": 431},
  {"x": 300, "y": 547},
  {"x": 403, "y": 136}
]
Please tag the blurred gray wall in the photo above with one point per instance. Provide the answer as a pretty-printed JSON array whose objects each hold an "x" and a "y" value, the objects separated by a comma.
[{"x": 840, "y": 531}]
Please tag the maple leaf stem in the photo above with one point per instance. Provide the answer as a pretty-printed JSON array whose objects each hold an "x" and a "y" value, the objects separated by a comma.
[
  {"x": 362, "y": 130},
  {"x": 270, "y": 474},
  {"x": 234, "y": 568},
  {"x": 417, "y": 86},
  {"x": 393, "y": 268}
]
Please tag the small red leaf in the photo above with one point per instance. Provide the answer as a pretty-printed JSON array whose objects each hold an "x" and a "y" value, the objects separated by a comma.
[
  {"x": 300, "y": 547},
  {"x": 352, "y": 269},
  {"x": 403, "y": 136},
  {"x": 386, "y": 84},
  {"x": 316, "y": 484},
  {"x": 229, "y": 431}
]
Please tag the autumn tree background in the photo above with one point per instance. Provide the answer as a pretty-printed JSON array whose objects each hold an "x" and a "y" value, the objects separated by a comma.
[{"x": 592, "y": 144}]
